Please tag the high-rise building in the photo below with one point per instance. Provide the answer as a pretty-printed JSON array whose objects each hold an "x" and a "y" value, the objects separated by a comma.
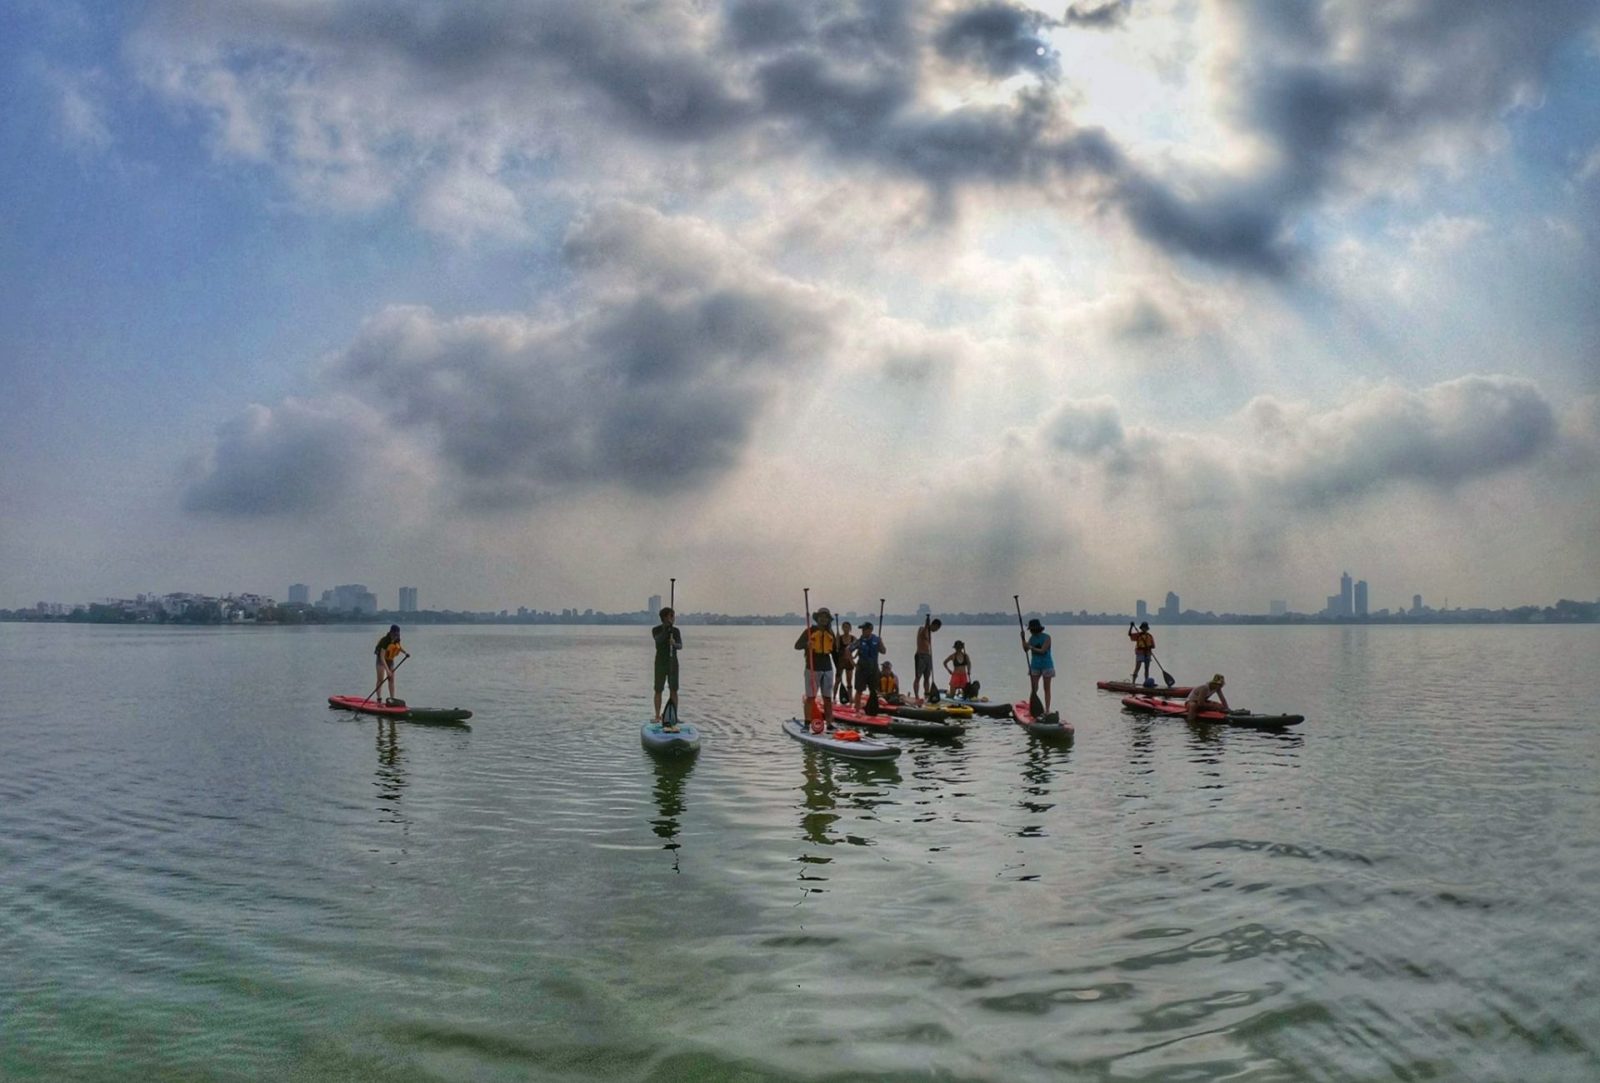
[
  {"x": 350, "y": 597},
  {"x": 1416, "y": 603},
  {"x": 1141, "y": 610},
  {"x": 1361, "y": 598},
  {"x": 1346, "y": 602},
  {"x": 299, "y": 594},
  {"x": 653, "y": 606},
  {"x": 1171, "y": 609},
  {"x": 408, "y": 599}
]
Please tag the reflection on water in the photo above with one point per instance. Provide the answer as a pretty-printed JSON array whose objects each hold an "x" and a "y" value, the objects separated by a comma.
[
  {"x": 671, "y": 774},
  {"x": 196, "y": 887},
  {"x": 391, "y": 774}
]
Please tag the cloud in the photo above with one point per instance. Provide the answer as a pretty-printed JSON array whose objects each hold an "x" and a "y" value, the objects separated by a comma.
[
  {"x": 357, "y": 110},
  {"x": 1287, "y": 455},
  {"x": 999, "y": 39},
  {"x": 653, "y": 381},
  {"x": 298, "y": 459}
]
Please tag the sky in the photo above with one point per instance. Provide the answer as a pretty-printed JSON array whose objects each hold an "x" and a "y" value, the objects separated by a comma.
[{"x": 533, "y": 302}]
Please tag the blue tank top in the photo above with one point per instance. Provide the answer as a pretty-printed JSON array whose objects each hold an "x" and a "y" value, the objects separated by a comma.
[{"x": 1039, "y": 662}]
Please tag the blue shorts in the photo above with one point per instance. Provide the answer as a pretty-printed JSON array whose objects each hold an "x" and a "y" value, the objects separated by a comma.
[{"x": 819, "y": 682}]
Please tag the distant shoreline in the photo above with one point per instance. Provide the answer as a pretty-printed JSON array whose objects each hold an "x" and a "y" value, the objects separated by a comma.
[{"x": 1564, "y": 612}]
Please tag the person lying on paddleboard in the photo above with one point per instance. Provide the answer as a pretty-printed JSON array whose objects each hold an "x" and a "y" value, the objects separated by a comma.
[
  {"x": 1200, "y": 697},
  {"x": 669, "y": 641},
  {"x": 386, "y": 650},
  {"x": 958, "y": 663},
  {"x": 1144, "y": 645},
  {"x": 817, "y": 641},
  {"x": 1041, "y": 663},
  {"x": 864, "y": 653}
]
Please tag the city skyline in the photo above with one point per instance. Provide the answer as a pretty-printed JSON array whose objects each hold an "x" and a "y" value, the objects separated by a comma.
[
  {"x": 1350, "y": 603},
  {"x": 1084, "y": 302}
]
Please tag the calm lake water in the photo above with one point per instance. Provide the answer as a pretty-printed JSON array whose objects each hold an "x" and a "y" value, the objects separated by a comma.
[{"x": 205, "y": 874}]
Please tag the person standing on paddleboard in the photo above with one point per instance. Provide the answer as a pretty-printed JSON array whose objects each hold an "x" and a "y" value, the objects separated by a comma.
[
  {"x": 817, "y": 641},
  {"x": 386, "y": 650},
  {"x": 1041, "y": 663},
  {"x": 1144, "y": 645},
  {"x": 958, "y": 664},
  {"x": 864, "y": 653},
  {"x": 1200, "y": 696},
  {"x": 669, "y": 641},
  {"x": 844, "y": 665},
  {"x": 922, "y": 660}
]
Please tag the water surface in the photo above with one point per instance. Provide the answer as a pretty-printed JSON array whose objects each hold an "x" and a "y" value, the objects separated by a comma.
[{"x": 209, "y": 875}]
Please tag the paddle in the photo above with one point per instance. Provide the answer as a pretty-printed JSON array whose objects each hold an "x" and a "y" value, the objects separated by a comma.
[
  {"x": 1169, "y": 678},
  {"x": 872, "y": 693},
  {"x": 379, "y": 685},
  {"x": 811, "y": 680},
  {"x": 1035, "y": 704},
  {"x": 669, "y": 717}
]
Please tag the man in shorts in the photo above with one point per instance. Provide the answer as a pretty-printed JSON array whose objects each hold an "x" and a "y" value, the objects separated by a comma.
[
  {"x": 922, "y": 660},
  {"x": 817, "y": 641},
  {"x": 669, "y": 641}
]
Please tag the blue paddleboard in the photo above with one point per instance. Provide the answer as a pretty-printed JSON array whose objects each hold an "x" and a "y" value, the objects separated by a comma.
[{"x": 655, "y": 739}]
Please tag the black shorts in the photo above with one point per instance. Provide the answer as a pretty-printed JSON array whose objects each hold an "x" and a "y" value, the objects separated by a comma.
[{"x": 667, "y": 673}]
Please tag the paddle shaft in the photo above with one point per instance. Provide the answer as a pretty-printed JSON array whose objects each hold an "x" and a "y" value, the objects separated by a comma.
[
  {"x": 672, "y": 647},
  {"x": 1169, "y": 678}
]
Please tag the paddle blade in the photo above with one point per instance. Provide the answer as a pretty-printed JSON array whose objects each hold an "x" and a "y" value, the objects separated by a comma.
[
  {"x": 1169, "y": 678},
  {"x": 1035, "y": 705},
  {"x": 669, "y": 714}
]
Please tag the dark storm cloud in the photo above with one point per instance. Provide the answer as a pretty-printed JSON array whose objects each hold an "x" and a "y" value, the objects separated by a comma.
[{"x": 999, "y": 39}]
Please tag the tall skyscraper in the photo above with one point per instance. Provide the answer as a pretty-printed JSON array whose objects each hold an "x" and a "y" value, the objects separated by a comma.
[
  {"x": 1361, "y": 598},
  {"x": 1141, "y": 610},
  {"x": 653, "y": 606},
  {"x": 408, "y": 599},
  {"x": 1171, "y": 609},
  {"x": 299, "y": 594},
  {"x": 1416, "y": 603},
  {"x": 1346, "y": 602}
]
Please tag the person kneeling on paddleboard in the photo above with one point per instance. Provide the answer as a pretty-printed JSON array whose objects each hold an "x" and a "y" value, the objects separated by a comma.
[
  {"x": 1200, "y": 696},
  {"x": 889, "y": 684},
  {"x": 669, "y": 641},
  {"x": 386, "y": 650},
  {"x": 817, "y": 641}
]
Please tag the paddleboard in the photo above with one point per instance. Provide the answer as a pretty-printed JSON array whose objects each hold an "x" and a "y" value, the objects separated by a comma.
[
  {"x": 685, "y": 742},
  {"x": 1143, "y": 690},
  {"x": 1175, "y": 709},
  {"x": 1057, "y": 727},
  {"x": 901, "y": 727},
  {"x": 864, "y": 749},
  {"x": 438, "y": 716}
]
